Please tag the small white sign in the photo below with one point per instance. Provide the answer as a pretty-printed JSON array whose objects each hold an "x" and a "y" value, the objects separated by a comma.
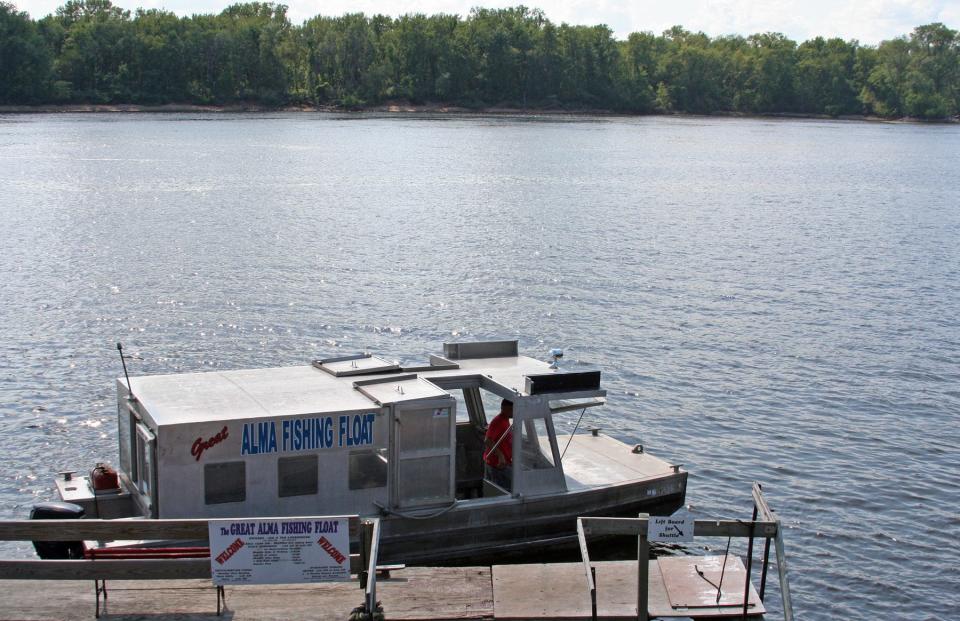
[
  {"x": 676, "y": 527},
  {"x": 280, "y": 551}
]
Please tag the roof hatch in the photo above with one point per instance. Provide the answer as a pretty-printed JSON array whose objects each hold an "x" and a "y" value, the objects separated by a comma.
[
  {"x": 399, "y": 389},
  {"x": 357, "y": 364}
]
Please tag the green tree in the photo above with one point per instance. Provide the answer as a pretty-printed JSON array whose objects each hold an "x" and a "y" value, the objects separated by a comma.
[
  {"x": 341, "y": 53},
  {"x": 640, "y": 56},
  {"x": 590, "y": 63},
  {"x": 885, "y": 90},
  {"x": 157, "y": 70},
  {"x": 771, "y": 74},
  {"x": 825, "y": 78},
  {"x": 93, "y": 51},
  {"x": 692, "y": 72},
  {"x": 255, "y": 31},
  {"x": 95, "y": 54},
  {"x": 26, "y": 64},
  {"x": 934, "y": 72}
]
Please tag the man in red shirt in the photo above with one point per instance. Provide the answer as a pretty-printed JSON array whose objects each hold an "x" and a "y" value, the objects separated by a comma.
[{"x": 498, "y": 447}]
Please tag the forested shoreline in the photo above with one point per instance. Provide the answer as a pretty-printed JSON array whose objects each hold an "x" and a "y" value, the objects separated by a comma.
[{"x": 92, "y": 52}]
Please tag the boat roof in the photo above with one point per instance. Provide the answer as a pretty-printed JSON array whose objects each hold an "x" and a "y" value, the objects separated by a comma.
[{"x": 292, "y": 391}]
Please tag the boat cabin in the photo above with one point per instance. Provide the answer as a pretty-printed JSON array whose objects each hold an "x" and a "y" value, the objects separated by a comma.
[{"x": 348, "y": 435}]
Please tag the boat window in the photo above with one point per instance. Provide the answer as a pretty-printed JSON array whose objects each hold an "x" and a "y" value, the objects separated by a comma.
[
  {"x": 143, "y": 472},
  {"x": 297, "y": 476},
  {"x": 368, "y": 469},
  {"x": 491, "y": 403},
  {"x": 463, "y": 414},
  {"x": 125, "y": 425},
  {"x": 473, "y": 408},
  {"x": 535, "y": 444},
  {"x": 425, "y": 480},
  {"x": 143, "y": 481},
  {"x": 225, "y": 482},
  {"x": 427, "y": 432}
]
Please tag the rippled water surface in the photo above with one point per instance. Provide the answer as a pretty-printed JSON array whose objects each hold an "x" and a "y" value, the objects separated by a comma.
[{"x": 769, "y": 300}]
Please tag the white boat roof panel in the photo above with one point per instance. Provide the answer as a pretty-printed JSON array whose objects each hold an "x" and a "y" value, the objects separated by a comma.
[
  {"x": 409, "y": 389},
  {"x": 247, "y": 394},
  {"x": 508, "y": 371},
  {"x": 288, "y": 391}
]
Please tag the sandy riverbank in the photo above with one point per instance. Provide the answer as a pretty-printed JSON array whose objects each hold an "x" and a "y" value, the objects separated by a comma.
[{"x": 429, "y": 108}]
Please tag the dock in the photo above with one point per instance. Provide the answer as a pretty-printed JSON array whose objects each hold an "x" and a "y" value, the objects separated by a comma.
[
  {"x": 184, "y": 582},
  {"x": 412, "y": 593},
  {"x": 531, "y": 591}
]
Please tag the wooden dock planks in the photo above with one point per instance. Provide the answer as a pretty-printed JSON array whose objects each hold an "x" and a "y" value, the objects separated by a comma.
[
  {"x": 412, "y": 594},
  {"x": 535, "y": 591},
  {"x": 558, "y": 590}
]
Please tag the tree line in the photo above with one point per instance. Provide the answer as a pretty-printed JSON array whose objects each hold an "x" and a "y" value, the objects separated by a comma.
[{"x": 91, "y": 51}]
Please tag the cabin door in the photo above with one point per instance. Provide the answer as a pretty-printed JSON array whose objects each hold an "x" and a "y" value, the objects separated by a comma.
[{"x": 423, "y": 441}]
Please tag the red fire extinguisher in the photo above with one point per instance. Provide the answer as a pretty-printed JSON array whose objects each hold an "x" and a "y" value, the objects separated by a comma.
[{"x": 104, "y": 478}]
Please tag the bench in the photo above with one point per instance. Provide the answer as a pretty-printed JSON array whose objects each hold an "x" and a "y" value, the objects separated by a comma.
[
  {"x": 142, "y": 553},
  {"x": 121, "y": 562},
  {"x": 135, "y": 552}
]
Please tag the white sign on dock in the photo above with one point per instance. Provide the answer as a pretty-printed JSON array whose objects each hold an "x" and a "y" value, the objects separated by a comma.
[
  {"x": 676, "y": 527},
  {"x": 280, "y": 551}
]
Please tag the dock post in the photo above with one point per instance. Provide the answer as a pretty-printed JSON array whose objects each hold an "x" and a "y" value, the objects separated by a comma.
[
  {"x": 366, "y": 532},
  {"x": 370, "y": 591},
  {"x": 643, "y": 568},
  {"x": 761, "y": 508},
  {"x": 593, "y": 595},
  {"x": 782, "y": 570},
  {"x": 746, "y": 583},
  {"x": 766, "y": 563}
]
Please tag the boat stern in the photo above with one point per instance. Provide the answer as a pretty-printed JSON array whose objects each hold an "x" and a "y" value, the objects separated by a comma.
[{"x": 102, "y": 504}]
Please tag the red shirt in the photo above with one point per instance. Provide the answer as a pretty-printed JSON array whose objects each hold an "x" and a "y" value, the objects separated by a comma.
[{"x": 502, "y": 456}]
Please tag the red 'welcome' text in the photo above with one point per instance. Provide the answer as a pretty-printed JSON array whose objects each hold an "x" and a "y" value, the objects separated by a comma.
[
  {"x": 224, "y": 556},
  {"x": 332, "y": 551}
]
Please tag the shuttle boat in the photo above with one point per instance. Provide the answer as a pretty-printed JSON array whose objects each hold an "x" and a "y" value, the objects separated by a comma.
[{"x": 368, "y": 436}]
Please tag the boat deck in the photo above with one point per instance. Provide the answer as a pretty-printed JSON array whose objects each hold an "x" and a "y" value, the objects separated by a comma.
[{"x": 593, "y": 461}]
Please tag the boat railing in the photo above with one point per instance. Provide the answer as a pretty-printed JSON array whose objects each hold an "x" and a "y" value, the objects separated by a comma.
[{"x": 764, "y": 524}]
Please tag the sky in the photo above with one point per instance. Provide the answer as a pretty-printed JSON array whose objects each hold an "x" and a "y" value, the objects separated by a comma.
[{"x": 869, "y": 21}]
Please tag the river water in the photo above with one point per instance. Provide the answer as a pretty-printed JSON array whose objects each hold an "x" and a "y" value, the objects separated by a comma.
[{"x": 771, "y": 301}]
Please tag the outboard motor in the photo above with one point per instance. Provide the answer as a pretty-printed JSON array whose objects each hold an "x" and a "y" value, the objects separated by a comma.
[{"x": 57, "y": 511}]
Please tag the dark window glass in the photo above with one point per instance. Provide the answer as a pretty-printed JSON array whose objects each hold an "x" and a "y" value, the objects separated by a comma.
[
  {"x": 225, "y": 482},
  {"x": 297, "y": 476},
  {"x": 368, "y": 469}
]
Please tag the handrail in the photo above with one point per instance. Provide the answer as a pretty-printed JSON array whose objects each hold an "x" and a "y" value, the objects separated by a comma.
[
  {"x": 701, "y": 528},
  {"x": 370, "y": 592},
  {"x": 105, "y": 569},
  {"x": 768, "y": 528},
  {"x": 766, "y": 513},
  {"x": 585, "y": 555},
  {"x": 117, "y": 569},
  {"x": 116, "y": 530},
  {"x": 102, "y": 530}
]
